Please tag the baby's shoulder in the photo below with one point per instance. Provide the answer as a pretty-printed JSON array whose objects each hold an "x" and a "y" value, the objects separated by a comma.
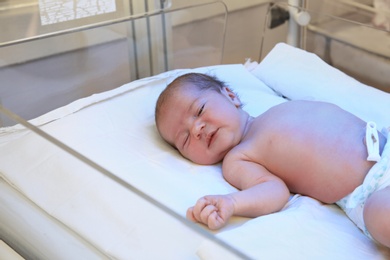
[{"x": 243, "y": 152}]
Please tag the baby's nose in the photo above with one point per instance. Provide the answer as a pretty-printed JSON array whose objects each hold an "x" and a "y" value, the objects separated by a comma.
[{"x": 197, "y": 129}]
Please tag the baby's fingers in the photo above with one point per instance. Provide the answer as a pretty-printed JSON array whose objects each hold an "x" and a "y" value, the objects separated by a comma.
[
  {"x": 215, "y": 221},
  {"x": 206, "y": 213},
  {"x": 197, "y": 210},
  {"x": 208, "y": 216},
  {"x": 190, "y": 214}
]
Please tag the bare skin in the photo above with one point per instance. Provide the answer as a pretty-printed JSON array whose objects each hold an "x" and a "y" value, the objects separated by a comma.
[
  {"x": 376, "y": 216},
  {"x": 311, "y": 148}
]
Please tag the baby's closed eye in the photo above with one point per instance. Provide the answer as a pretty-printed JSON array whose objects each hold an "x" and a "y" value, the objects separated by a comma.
[{"x": 201, "y": 110}]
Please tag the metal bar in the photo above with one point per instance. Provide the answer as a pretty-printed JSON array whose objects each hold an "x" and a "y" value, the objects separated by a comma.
[
  {"x": 164, "y": 33},
  {"x": 133, "y": 43},
  {"x": 149, "y": 40}
]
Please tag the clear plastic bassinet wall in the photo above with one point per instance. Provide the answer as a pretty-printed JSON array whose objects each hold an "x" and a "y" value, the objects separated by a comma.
[
  {"x": 361, "y": 47},
  {"x": 55, "y": 52},
  {"x": 351, "y": 35},
  {"x": 50, "y": 58}
]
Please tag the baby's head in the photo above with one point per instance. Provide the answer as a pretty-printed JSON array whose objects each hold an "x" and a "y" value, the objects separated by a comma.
[{"x": 199, "y": 116}]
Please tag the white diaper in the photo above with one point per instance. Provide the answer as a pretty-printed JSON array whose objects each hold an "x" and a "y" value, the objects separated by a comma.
[{"x": 376, "y": 179}]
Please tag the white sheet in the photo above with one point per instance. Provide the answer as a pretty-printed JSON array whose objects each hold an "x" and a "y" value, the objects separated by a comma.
[
  {"x": 305, "y": 229},
  {"x": 116, "y": 129}
]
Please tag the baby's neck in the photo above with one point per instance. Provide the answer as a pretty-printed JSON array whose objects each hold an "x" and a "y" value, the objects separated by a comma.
[{"x": 248, "y": 123}]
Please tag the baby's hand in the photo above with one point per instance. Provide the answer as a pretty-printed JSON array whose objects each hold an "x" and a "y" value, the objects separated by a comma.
[{"x": 213, "y": 210}]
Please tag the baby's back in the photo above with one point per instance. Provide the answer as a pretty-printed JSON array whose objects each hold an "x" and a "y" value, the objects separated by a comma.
[{"x": 316, "y": 148}]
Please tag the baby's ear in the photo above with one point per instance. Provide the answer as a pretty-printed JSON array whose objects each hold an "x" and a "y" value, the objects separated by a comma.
[{"x": 232, "y": 96}]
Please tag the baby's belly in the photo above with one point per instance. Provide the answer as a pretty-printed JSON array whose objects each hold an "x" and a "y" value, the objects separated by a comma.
[
  {"x": 328, "y": 184},
  {"x": 327, "y": 172},
  {"x": 326, "y": 163}
]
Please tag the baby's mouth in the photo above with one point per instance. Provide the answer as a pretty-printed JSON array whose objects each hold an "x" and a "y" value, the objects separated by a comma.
[{"x": 211, "y": 138}]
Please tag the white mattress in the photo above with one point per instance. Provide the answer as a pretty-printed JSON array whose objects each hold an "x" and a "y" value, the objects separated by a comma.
[{"x": 116, "y": 130}]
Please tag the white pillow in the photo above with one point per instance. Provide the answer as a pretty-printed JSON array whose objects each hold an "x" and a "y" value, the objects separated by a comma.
[{"x": 298, "y": 74}]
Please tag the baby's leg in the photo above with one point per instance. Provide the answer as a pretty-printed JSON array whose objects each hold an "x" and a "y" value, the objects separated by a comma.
[{"x": 376, "y": 216}]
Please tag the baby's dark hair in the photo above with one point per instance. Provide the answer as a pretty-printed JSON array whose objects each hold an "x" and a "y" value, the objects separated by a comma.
[{"x": 202, "y": 81}]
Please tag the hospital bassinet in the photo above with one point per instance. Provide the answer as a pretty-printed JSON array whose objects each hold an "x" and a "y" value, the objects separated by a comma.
[{"x": 84, "y": 174}]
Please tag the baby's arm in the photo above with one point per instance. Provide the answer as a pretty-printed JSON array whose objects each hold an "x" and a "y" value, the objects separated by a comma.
[{"x": 261, "y": 193}]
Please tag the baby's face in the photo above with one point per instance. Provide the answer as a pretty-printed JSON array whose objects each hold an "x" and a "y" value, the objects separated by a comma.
[{"x": 203, "y": 126}]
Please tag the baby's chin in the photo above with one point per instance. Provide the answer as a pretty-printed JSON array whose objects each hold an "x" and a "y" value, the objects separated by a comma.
[{"x": 208, "y": 160}]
